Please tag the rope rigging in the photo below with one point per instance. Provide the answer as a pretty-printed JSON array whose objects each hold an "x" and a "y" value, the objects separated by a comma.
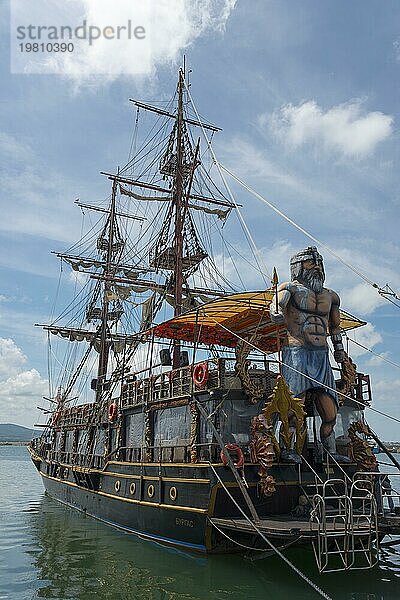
[
  {"x": 385, "y": 291},
  {"x": 383, "y": 414}
]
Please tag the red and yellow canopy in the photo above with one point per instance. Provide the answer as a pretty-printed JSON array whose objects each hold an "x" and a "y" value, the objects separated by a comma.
[{"x": 221, "y": 321}]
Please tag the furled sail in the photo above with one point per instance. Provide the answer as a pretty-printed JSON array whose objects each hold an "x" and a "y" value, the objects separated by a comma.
[
  {"x": 131, "y": 194},
  {"x": 221, "y": 214},
  {"x": 118, "y": 340}
]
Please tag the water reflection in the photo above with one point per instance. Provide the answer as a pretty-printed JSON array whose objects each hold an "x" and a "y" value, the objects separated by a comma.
[
  {"x": 78, "y": 557},
  {"x": 50, "y": 551}
]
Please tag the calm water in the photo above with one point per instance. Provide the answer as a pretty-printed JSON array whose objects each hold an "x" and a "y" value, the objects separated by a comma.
[{"x": 50, "y": 551}]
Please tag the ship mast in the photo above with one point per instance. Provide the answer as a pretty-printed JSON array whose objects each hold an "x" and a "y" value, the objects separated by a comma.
[
  {"x": 104, "y": 345},
  {"x": 176, "y": 249},
  {"x": 179, "y": 200}
]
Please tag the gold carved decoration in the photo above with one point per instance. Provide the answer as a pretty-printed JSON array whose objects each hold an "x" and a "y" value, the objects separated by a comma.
[
  {"x": 360, "y": 450},
  {"x": 283, "y": 403},
  {"x": 348, "y": 380},
  {"x": 262, "y": 452},
  {"x": 194, "y": 432},
  {"x": 148, "y": 435},
  {"x": 253, "y": 391}
]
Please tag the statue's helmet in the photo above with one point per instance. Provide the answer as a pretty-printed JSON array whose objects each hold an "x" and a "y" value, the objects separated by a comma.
[{"x": 310, "y": 253}]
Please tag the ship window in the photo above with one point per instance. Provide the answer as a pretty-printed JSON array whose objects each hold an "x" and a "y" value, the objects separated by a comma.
[
  {"x": 57, "y": 440},
  {"x": 99, "y": 442},
  {"x": 235, "y": 419},
  {"x": 82, "y": 441},
  {"x": 134, "y": 430},
  {"x": 172, "y": 426},
  {"x": 206, "y": 432},
  {"x": 69, "y": 441}
]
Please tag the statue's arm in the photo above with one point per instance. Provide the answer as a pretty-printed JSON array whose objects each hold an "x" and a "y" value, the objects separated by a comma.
[
  {"x": 334, "y": 329},
  {"x": 279, "y": 303}
]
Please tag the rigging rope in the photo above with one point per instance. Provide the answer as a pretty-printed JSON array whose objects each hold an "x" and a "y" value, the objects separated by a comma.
[
  {"x": 222, "y": 168},
  {"x": 381, "y": 356},
  {"x": 383, "y": 414},
  {"x": 299, "y": 227},
  {"x": 257, "y": 253}
]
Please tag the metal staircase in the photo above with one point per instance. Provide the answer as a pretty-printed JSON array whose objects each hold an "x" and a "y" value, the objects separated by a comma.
[{"x": 344, "y": 516}]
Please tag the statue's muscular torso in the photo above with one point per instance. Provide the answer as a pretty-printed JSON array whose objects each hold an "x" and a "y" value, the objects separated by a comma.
[{"x": 309, "y": 316}]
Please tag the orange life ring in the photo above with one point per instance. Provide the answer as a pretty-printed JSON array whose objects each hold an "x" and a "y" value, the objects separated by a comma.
[
  {"x": 200, "y": 374},
  {"x": 56, "y": 417},
  {"x": 233, "y": 448},
  {"x": 112, "y": 411}
]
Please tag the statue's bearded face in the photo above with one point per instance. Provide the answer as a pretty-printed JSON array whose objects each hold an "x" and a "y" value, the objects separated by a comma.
[{"x": 312, "y": 275}]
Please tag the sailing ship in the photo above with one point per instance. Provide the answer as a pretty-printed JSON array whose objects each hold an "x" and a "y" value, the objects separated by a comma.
[{"x": 167, "y": 417}]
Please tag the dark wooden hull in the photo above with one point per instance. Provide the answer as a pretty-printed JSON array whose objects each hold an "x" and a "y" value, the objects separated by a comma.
[
  {"x": 174, "y": 527},
  {"x": 169, "y": 504}
]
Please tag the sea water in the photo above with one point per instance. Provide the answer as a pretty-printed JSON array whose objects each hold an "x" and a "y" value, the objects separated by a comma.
[{"x": 50, "y": 551}]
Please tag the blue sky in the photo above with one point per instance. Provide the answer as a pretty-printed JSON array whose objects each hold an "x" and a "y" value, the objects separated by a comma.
[{"x": 307, "y": 96}]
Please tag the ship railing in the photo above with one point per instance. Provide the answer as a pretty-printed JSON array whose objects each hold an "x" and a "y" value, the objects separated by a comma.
[
  {"x": 176, "y": 453},
  {"x": 222, "y": 373},
  {"x": 386, "y": 490},
  {"x": 178, "y": 383},
  {"x": 78, "y": 459},
  {"x": 169, "y": 385},
  {"x": 75, "y": 416}
]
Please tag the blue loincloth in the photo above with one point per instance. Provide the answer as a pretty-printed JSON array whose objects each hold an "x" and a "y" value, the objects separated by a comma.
[{"x": 311, "y": 363}]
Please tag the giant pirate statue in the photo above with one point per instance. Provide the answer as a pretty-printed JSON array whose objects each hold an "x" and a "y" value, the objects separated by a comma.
[{"x": 310, "y": 313}]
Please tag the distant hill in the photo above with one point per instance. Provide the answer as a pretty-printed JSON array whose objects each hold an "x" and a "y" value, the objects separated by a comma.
[{"x": 16, "y": 433}]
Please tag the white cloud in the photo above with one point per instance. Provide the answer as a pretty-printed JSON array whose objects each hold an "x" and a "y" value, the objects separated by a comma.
[
  {"x": 344, "y": 128},
  {"x": 12, "y": 359},
  {"x": 367, "y": 336},
  {"x": 385, "y": 393},
  {"x": 362, "y": 298},
  {"x": 378, "y": 360},
  {"x": 12, "y": 148},
  {"x": 20, "y": 388},
  {"x": 248, "y": 160},
  {"x": 171, "y": 26}
]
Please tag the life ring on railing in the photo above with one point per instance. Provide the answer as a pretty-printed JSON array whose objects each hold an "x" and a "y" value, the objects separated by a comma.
[
  {"x": 112, "y": 411},
  {"x": 200, "y": 374},
  {"x": 233, "y": 448},
  {"x": 56, "y": 417}
]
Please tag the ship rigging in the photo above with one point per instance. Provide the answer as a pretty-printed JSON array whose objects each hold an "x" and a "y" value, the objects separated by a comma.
[{"x": 169, "y": 416}]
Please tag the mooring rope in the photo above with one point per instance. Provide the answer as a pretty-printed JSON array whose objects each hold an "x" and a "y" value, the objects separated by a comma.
[{"x": 270, "y": 544}]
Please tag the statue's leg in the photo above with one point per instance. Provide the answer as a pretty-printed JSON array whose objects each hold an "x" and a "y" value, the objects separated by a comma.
[
  {"x": 290, "y": 454},
  {"x": 327, "y": 410}
]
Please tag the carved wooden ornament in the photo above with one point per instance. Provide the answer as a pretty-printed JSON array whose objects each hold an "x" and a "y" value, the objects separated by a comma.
[{"x": 282, "y": 402}]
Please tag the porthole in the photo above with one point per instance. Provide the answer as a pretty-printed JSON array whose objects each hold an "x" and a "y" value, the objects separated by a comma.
[
  {"x": 150, "y": 490},
  {"x": 173, "y": 493},
  {"x": 132, "y": 488},
  {"x": 117, "y": 485}
]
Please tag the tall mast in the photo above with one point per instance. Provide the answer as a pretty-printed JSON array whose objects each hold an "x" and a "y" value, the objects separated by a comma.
[
  {"x": 104, "y": 346},
  {"x": 179, "y": 217}
]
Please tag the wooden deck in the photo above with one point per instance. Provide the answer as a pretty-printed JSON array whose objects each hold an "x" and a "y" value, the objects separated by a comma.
[{"x": 286, "y": 527}]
